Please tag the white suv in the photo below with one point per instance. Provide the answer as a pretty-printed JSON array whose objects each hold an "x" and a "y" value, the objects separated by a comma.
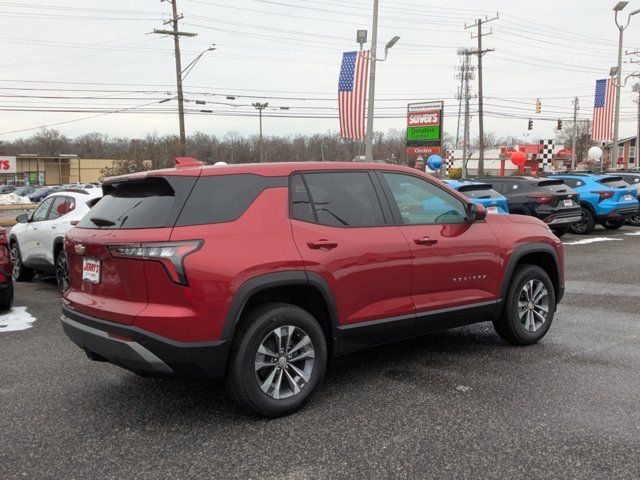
[{"x": 36, "y": 241}]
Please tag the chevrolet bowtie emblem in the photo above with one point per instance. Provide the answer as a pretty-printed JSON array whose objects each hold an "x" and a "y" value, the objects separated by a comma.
[{"x": 80, "y": 249}]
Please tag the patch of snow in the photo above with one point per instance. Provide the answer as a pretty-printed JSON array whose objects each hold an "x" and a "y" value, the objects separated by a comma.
[
  {"x": 16, "y": 319},
  {"x": 587, "y": 241},
  {"x": 13, "y": 199},
  {"x": 462, "y": 388},
  {"x": 634, "y": 234}
]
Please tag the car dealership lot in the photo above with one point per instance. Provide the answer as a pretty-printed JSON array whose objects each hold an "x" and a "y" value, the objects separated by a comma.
[{"x": 458, "y": 404}]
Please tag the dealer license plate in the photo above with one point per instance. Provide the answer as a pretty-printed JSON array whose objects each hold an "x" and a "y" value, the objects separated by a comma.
[
  {"x": 568, "y": 203},
  {"x": 492, "y": 209},
  {"x": 91, "y": 270},
  {"x": 628, "y": 198}
]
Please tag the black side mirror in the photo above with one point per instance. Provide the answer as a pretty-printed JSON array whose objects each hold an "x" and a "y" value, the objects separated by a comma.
[
  {"x": 475, "y": 212},
  {"x": 23, "y": 218}
]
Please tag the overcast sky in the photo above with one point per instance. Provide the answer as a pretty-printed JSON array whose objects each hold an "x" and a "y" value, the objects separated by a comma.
[{"x": 93, "y": 57}]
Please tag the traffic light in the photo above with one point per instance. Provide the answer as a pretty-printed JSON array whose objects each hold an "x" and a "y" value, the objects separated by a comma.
[
  {"x": 530, "y": 125},
  {"x": 559, "y": 124},
  {"x": 538, "y": 106}
]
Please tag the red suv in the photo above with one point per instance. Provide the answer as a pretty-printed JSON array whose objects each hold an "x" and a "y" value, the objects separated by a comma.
[{"x": 260, "y": 273}]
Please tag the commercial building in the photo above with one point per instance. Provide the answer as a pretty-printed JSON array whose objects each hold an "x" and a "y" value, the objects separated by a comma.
[{"x": 51, "y": 170}]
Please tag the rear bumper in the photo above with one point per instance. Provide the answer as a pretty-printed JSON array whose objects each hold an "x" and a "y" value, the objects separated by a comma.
[
  {"x": 143, "y": 352},
  {"x": 617, "y": 214}
]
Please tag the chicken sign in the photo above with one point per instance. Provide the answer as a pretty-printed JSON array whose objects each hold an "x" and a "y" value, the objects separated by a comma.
[
  {"x": 8, "y": 165},
  {"x": 424, "y": 128}
]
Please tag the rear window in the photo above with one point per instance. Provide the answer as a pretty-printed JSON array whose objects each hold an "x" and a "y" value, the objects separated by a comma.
[
  {"x": 554, "y": 186},
  {"x": 479, "y": 191},
  {"x": 224, "y": 198},
  {"x": 152, "y": 202},
  {"x": 614, "y": 182}
]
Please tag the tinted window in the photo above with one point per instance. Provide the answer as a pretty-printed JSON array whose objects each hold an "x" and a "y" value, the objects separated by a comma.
[
  {"x": 224, "y": 198},
  {"x": 61, "y": 206},
  {"x": 614, "y": 182},
  {"x": 479, "y": 191},
  {"x": 151, "y": 202},
  {"x": 345, "y": 199},
  {"x": 422, "y": 203},
  {"x": 301, "y": 208},
  {"x": 42, "y": 210}
]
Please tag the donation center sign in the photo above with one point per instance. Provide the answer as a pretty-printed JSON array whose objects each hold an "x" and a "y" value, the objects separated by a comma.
[{"x": 424, "y": 128}]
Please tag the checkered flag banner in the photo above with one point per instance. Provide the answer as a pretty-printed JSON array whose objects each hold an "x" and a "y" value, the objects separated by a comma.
[
  {"x": 448, "y": 163},
  {"x": 545, "y": 157}
]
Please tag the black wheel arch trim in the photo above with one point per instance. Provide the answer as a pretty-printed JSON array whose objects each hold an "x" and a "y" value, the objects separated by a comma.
[
  {"x": 517, "y": 255},
  {"x": 278, "y": 279}
]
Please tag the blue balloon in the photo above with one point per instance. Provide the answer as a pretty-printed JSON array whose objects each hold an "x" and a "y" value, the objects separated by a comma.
[{"x": 434, "y": 162}]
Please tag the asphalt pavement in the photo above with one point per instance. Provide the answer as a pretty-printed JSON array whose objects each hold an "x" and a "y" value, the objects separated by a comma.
[{"x": 459, "y": 404}]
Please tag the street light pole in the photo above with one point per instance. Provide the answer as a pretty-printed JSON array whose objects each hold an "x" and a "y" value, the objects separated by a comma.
[
  {"x": 260, "y": 107},
  {"x": 616, "y": 121},
  {"x": 368, "y": 152}
]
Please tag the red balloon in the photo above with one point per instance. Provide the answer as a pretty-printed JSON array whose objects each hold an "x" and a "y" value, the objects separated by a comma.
[{"x": 518, "y": 158}]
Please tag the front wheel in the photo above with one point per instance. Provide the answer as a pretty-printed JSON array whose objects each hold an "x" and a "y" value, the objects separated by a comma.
[
  {"x": 560, "y": 231},
  {"x": 529, "y": 307},
  {"x": 19, "y": 272},
  {"x": 586, "y": 224},
  {"x": 62, "y": 271},
  {"x": 278, "y": 358},
  {"x": 613, "y": 224}
]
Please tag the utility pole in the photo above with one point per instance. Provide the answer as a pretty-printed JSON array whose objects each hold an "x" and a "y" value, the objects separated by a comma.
[
  {"x": 480, "y": 52},
  {"x": 466, "y": 73},
  {"x": 260, "y": 107},
  {"x": 636, "y": 89},
  {"x": 176, "y": 33},
  {"x": 368, "y": 150},
  {"x": 574, "y": 153}
]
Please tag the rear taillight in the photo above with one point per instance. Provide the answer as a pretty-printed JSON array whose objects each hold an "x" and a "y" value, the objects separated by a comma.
[
  {"x": 541, "y": 198},
  {"x": 603, "y": 194},
  {"x": 170, "y": 254}
]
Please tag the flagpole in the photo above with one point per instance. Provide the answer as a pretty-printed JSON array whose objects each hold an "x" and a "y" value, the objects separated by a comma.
[{"x": 368, "y": 153}]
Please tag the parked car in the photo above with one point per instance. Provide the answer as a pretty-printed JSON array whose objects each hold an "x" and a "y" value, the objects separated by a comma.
[
  {"x": 258, "y": 273},
  {"x": 36, "y": 241},
  {"x": 6, "y": 283},
  {"x": 633, "y": 179},
  {"x": 548, "y": 199},
  {"x": 4, "y": 189},
  {"x": 482, "y": 193},
  {"x": 605, "y": 199},
  {"x": 24, "y": 191}
]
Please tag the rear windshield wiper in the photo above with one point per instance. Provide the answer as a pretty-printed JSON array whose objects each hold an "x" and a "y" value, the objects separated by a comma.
[{"x": 102, "y": 222}]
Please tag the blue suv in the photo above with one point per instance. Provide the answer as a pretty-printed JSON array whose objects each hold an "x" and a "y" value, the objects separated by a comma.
[
  {"x": 604, "y": 199},
  {"x": 482, "y": 193}
]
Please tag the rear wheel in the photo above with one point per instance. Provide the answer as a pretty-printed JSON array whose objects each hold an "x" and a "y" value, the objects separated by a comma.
[
  {"x": 560, "y": 231},
  {"x": 6, "y": 298},
  {"x": 586, "y": 224},
  {"x": 19, "y": 272},
  {"x": 529, "y": 308},
  {"x": 278, "y": 358},
  {"x": 613, "y": 224},
  {"x": 62, "y": 271}
]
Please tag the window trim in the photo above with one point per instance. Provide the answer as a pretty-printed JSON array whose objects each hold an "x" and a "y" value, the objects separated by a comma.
[
  {"x": 397, "y": 216},
  {"x": 387, "y": 214},
  {"x": 46, "y": 216}
]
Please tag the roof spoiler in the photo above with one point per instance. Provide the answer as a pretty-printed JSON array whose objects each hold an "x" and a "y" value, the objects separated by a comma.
[{"x": 186, "y": 162}]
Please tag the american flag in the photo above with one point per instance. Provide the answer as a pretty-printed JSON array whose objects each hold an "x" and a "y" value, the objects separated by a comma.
[
  {"x": 352, "y": 93},
  {"x": 603, "y": 108}
]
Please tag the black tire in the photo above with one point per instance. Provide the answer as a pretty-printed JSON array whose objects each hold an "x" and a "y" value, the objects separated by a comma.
[
  {"x": 634, "y": 220},
  {"x": 6, "y": 298},
  {"x": 560, "y": 231},
  {"x": 586, "y": 225},
  {"x": 242, "y": 379},
  {"x": 19, "y": 272},
  {"x": 612, "y": 224},
  {"x": 62, "y": 271},
  {"x": 510, "y": 326}
]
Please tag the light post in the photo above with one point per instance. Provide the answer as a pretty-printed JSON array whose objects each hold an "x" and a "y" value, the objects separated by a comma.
[
  {"x": 368, "y": 152},
  {"x": 322, "y": 151},
  {"x": 616, "y": 120},
  {"x": 260, "y": 107}
]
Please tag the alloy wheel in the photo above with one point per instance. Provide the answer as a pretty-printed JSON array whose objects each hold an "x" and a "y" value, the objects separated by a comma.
[
  {"x": 533, "y": 305},
  {"x": 16, "y": 264},
  {"x": 62, "y": 272},
  {"x": 582, "y": 225},
  {"x": 284, "y": 362}
]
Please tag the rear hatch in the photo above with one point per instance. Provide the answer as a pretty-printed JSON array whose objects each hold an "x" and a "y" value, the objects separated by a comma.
[
  {"x": 557, "y": 194},
  {"x": 484, "y": 194},
  {"x": 623, "y": 191},
  {"x": 134, "y": 211}
]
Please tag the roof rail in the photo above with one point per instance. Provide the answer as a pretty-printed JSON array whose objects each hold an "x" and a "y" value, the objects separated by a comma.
[{"x": 186, "y": 162}]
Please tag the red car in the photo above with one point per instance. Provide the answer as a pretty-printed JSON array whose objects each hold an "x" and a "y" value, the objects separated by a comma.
[
  {"x": 6, "y": 282},
  {"x": 261, "y": 273}
]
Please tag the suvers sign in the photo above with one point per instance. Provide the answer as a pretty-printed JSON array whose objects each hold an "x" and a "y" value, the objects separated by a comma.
[
  {"x": 8, "y": 165},
  {"x": 424, "y": 128}
]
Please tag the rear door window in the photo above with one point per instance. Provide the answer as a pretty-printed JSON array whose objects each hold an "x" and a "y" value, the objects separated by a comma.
[
  {"x": 151, "y": 202},
  {"x": 344, "y": 199},
  {"x": 61, "y": 206}
]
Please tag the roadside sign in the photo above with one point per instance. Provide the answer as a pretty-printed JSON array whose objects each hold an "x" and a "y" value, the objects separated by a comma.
[
  {"x": 424, "y": 128},
  {"x": 8, "y": 165}
]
